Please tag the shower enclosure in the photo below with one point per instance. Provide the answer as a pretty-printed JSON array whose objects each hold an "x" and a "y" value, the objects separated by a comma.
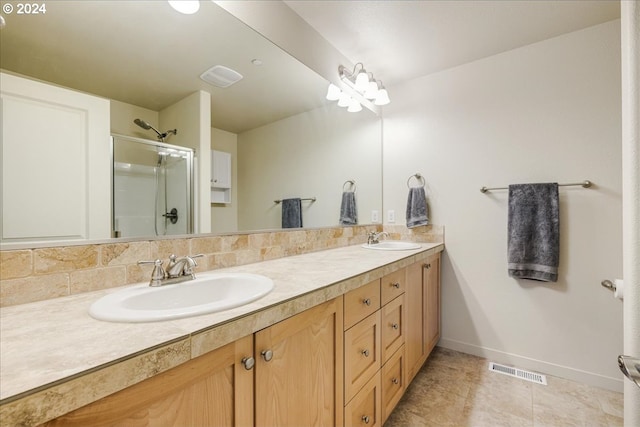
[{"x": 152, "y": 188}]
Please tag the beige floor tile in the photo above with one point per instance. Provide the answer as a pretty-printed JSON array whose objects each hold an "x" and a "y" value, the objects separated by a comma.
[{"x": 457, "y": 389}]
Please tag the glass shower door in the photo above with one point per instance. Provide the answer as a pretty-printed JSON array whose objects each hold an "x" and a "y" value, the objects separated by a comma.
[{"x": 152, "y": 188}]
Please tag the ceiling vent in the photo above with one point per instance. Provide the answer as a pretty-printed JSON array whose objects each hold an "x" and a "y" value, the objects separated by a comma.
[{"x": 221, "y": 76}]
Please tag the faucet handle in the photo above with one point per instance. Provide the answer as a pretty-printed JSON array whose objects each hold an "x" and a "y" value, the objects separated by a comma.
[
  {"x": 188, "y": 267},
  {"x": 158, "y": 272}
]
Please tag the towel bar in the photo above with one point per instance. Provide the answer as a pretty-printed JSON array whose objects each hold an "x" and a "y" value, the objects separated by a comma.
[
  {"x": 352, "y": 184},
  {"x": 417, "y": 176},
  {"x": 312, "y": 199},
  {"x": 584, "y": 184}
]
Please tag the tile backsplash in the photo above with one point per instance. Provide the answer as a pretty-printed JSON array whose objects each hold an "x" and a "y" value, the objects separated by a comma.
[{"x": 28, "y": 275}]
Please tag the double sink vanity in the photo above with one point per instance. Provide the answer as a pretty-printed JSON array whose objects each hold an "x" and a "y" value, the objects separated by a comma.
[{"x": 325, "y": 338}]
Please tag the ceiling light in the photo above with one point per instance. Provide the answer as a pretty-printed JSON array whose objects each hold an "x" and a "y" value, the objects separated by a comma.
[
  {"x": 188, "y": 7},
  {"x": 333, "y": 93},
  {"x": 344, "y": 100},
  {"x": 382, "y": 98},
  {"x": 363, "y": 83},
  {"x": 354, "y": 106}
]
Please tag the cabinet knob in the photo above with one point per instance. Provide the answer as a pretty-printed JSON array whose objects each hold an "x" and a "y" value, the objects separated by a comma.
[
  {"x": 427, "y": 266},
  {"x": 267, "y": 355},
  {"x": 365, "y": 353},
  {"x": 367, "y": 301},
  {"x": 248, "y": 363},
  {"x": 366, "y": 419},
  {"x": 395, "y": 381},
  {"x": 395, "y": 326},
  {"x": 396, "y": 285}
]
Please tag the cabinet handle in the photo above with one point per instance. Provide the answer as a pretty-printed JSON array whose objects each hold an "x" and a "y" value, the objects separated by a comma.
[
  {"x": 396, "y": 285},
  {"x": 365, "y": 353},
  {"x": 395, "y": 326},
  {"x": 366, "y": 419},
  {"x": 267, "y": 355},
  {"x": 395, "y": 381},
  {"x": 366, "y": 301},
  {"x": 427, "y": 266},
  {"x": 248, "y": 363}
]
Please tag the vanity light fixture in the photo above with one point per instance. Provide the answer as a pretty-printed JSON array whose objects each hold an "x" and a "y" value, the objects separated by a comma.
[
  {"x": 188, "y": 7},
  {"x": 363, "y": 83}
]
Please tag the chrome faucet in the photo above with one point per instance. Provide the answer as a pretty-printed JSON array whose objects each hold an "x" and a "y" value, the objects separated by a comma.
[
  {"x": 374, "y": 238},
  {"x": 178, "y": 270}
]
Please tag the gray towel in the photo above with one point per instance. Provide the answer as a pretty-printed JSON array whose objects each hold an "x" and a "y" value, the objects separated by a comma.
[
  {"x": 534, "y": 232},
  {"x": 417, "y": 207},
  {"x": 348, "y": 210},
  {"x": 292, "y": 213}
]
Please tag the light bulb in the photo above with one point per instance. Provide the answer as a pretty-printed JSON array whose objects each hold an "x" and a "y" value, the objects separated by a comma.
[
  {"x": 354, "y": 106},
  {"x": 333, "y": 93},
  {"x": 344, "y": 101},
  {"x": 372, "y": 90},
  {"x": 188, "y": 7},
  {"x": 382, "y": 98},
  {"x": 362, "y": 81}
]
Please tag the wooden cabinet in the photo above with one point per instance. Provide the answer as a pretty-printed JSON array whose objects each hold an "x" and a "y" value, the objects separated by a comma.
[
  {"x": 296, "y": 381},
  {"x": 212, "y": 390},
  {"x": 299, "y": 383},
  {"x": 375, "y": 325},
  {"x": 423, "y": 312}
]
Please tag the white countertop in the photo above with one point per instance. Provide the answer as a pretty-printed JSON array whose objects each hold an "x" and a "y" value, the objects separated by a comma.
[{"x": 45, "y": 343}]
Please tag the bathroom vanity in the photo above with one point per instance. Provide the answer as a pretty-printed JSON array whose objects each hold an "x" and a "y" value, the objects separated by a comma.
[{"x": 336, "y": 343}]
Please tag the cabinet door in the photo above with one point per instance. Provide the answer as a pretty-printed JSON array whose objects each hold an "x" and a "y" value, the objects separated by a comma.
[
  {"x": 212, "y": 390},
  {"x": 299, "y": 369},
  {"x": 220, "y": 169},
  {"x": 431, "y": 303},
  {"x": 414, "y": 337}
]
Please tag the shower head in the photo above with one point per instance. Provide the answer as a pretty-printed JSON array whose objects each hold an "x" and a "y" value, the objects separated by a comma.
[
  {"x": 142, "y": 124},
  {"x": 147, "y": 126}
]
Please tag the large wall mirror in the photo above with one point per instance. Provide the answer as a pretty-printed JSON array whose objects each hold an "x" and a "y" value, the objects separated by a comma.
[{"x": 284, "y": 138}]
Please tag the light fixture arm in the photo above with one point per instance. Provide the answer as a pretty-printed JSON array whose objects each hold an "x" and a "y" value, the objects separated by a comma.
[{"x": 350, "y": 75}]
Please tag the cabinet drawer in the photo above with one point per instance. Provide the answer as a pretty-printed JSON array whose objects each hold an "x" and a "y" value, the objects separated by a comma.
[
  {"x": 361, "y": 354},
  {"x": 392, "y": 285},
  {"x": 366, "y": 407},
  {"x": 393, "y": 382},
  {"x": 361, "y": 302},
  {"x": 392, "y": 326}
]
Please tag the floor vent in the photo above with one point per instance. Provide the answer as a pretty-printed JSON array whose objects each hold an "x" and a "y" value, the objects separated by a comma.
[{"x": 518, "y": 373}]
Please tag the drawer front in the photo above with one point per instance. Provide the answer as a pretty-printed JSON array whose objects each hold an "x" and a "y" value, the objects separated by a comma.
[
  {"x": 392, "y": 285},
  {"x": 361, "y": 302},
  {"x": 361, "y": 354},
  {"x": 393, "y": 380},
  {"x": 365, "y": 410},
  {"x": 393, "y": 326}
]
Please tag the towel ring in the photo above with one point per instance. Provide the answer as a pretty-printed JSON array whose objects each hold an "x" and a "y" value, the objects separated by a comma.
[
  {"x": 352, "y": 184},
  {"x": 417, "y": 176}
]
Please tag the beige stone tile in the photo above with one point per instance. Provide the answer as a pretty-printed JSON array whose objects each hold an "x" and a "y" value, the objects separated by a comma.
[
  {"x": 54, "y": 260},
  {"x": 15, "y": 264},
  {"x": 611, "y": 402},
  {"x": 162, "y": 249},
  {"x": 222, "y": 260},
  {"x": 234, "y": 243},
  {"x": 614, "y": 421},
  {"x": 34, "y": 288},
  {"x": 138, "y": 273},
  {"x": 260, "y": 240},
  {"x": 205, "y": 245},
  {"x": 273, "y": 252},
  {"x": 441, "y": 378},
  {"x": 437, "y": 408},
  {"x": 97, "y": 278},
  {"x": 124, "y": 253},
  {"x": 247, "y": 256},
  {"x": 458, "y": 360}
]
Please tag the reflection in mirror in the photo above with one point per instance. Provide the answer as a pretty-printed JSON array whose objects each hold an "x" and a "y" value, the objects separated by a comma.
[
  {"x": 285, "y": 139},
  {"x": 152, "y": 184}
]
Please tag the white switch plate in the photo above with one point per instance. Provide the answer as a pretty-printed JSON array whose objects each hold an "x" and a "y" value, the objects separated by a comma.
[
  {"x": 391, "y": 216},
  {"x": 375, "y": 216}
]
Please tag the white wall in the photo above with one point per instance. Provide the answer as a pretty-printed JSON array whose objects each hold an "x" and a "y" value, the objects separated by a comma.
[
  {"x": 123, "y": 115},
  {"x": 224, "y": 216},
  {"x": 192, "y": 117},
  {"x": 545, "y": 112},
  {"x": 301, "y": 156}
]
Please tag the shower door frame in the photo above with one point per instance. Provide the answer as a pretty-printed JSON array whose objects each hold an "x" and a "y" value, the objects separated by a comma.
[{"x": 190, "y": 177}]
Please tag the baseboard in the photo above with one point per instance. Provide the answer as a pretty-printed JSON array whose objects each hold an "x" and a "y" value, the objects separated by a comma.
[{"x": 596, "y": 380}]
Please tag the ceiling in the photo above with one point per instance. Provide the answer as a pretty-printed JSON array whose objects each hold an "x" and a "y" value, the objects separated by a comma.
[
  {"x": 144, "y": 53},
  {"x": 402, "y": 40}
]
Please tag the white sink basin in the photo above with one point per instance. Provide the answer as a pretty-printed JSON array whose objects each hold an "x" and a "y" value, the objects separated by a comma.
[
  {"x": 392, "y": 245},
  {"x": 208, "y": 293}
]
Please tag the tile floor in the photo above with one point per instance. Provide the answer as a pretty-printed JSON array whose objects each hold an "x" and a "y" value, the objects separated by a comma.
[{"x": 457, "y": 389}]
